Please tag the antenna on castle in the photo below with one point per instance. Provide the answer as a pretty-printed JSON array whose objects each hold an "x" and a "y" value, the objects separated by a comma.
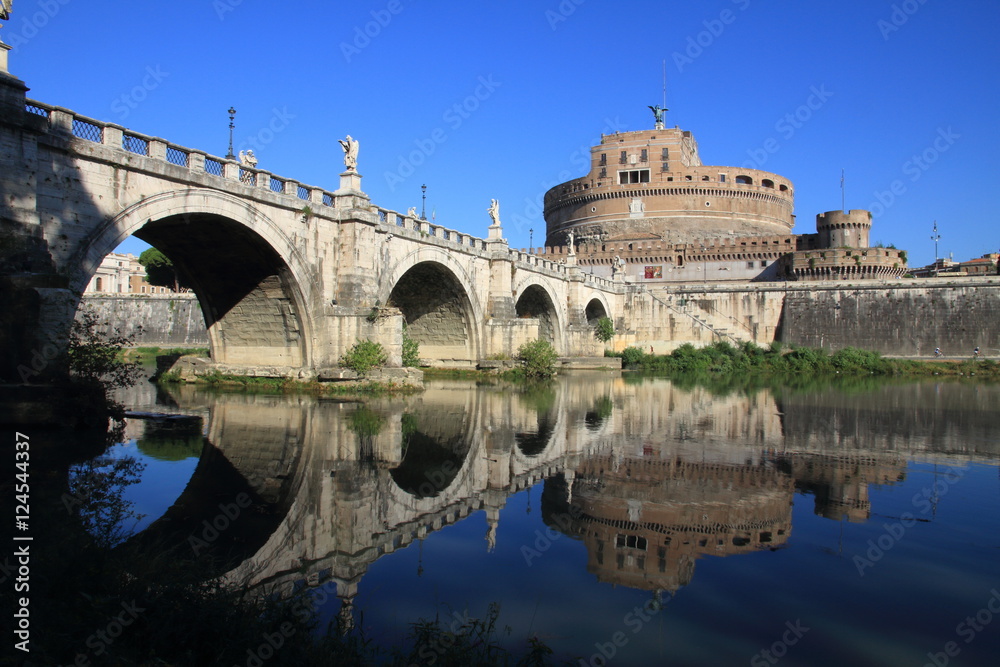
[
  {"x": 843, "y": 192},
  {"x": 659, "y": 111},
  {"x": 664, "y": 83}
]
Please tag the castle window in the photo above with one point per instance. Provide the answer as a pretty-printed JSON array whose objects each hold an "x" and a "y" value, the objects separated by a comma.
[
  {"x": 624, "y": 157},
  {"x": 665, "y": 166},
  {"x": 633, "y": 176},
  {"x": 100, "y": 285},
  {"x": 665, "y": 154},
  {"x": 705, "y": 178},
  {"x": 722, "y": 178},
  {"x": 744, "y": 180},
  {"x": 604, "y": 172},
  {"x": 783, "y": 188},
  {"x": 644, "y": 155},
  {"x": 767, "y": 183},
  {"x": 604, "y": 158}
]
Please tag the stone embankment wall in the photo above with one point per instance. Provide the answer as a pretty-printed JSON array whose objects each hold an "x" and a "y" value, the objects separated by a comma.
[
  {"x": 173, "y": 320},
  {"x": 896, "y": 318},
  {"x": 903, "y": 318}
]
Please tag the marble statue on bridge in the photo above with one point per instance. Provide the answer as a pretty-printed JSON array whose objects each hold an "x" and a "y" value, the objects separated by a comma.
[
  {"x": 494, "y": 211},
  {"x": 350, "y": 146},
  {"x": 6, "y": 7}
]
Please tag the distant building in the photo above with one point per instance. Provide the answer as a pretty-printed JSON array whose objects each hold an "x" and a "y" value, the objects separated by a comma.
[
  {"x": 650, "y": 211},
  {"x": 981, "y": 266},
  {"x": 122, "y": 274}
]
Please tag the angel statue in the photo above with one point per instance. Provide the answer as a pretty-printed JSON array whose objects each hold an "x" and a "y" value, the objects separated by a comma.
[
  {"x": 248, "y": 159},
  {"x": 350, "y": 147},
  {"x": 6, "y": 7},
  {"x": 494, "y": 211}
]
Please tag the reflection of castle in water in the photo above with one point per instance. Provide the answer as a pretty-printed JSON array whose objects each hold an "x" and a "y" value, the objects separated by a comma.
[
  {"x": 646, "y": 522},
  {"x": 648, "y": 476}
]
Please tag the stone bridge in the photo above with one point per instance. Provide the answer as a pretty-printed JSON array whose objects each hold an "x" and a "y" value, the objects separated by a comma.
[{"x": 288, "y": 275}]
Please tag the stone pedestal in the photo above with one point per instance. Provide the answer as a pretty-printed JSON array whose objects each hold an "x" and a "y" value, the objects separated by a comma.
[
  {"x": 4, "y": 48},
  {"x": 350, "y": 184}
]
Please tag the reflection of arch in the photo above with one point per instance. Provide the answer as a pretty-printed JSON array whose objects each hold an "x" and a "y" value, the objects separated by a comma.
[
  {"x": 252, "y": 283},
  {"x": 535, "y": 301}
]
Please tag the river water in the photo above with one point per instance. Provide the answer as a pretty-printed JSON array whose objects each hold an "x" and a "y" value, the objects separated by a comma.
[{"x": 620, "y": 519}]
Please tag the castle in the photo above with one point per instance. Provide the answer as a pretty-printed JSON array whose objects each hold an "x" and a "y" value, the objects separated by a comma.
[{"x": 650, "y": 211}]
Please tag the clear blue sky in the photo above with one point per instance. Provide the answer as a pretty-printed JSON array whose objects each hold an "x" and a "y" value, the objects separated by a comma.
[{"x": 888, "y": 82}]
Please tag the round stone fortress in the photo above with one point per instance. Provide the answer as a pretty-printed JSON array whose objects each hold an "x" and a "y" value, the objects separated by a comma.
[
  {"x": 651, "y": 184},
  {"x": 649, "y": 211}
]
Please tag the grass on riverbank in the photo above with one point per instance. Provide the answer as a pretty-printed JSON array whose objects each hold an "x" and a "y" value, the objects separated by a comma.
[{"x": 723, "y": 359}]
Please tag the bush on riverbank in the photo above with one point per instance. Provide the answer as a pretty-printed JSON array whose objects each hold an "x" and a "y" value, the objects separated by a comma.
[{"x": 723, "y": 358}]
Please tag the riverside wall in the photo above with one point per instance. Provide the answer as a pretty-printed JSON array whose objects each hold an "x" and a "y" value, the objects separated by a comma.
[
  {"x": 160, "y": 320},
  {"x": 894, "y": 317}
]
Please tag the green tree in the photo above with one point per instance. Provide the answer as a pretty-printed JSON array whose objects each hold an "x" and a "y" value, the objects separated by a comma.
[
  {"x": 604, "y": 330},
  {"x": 160, "y": 270}
]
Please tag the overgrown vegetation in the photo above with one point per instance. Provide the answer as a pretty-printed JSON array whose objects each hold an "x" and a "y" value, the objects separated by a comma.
[
  {"x": 723, "y": 359},
  {"x": 604, "y": 330},
  {"x": 411, "y": 350},
  {"x": 364, "y": 357},
  {"x": 537, "y": 360}
]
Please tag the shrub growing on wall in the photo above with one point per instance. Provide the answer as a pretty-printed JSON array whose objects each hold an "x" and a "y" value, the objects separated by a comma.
[
  {"x": 364, "y": 356},
  {"x": 538, "y": 359},
  {"x": 604, "y": 330}
]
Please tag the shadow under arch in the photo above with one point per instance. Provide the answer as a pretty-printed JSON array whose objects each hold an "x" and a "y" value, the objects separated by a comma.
[
  {"x": 534, "y": 300},
  {"x": 595, "y": 309},
  {"x": 441, "y": 311},
  {"x": 253, "y": 285}
]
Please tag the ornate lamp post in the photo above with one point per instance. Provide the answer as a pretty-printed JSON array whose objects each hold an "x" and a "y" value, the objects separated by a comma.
[
  {"x": 531, "y": 241},
  {"x": 936, "y": 237},
  {"x": 423, "y": 205},
  {"x": 232, "y": 117}
]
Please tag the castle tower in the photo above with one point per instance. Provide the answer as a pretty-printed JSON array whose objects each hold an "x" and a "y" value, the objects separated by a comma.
[
  {"x": 839, "y": 229},
  {"x": 651, "y": 184}
]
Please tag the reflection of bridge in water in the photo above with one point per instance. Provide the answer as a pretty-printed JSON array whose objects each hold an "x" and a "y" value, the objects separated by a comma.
[{"x": 648, "y": 489}]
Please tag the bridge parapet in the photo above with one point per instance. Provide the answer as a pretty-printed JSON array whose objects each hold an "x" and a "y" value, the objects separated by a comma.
[
  {"x": 66, "y": 121},
  {"x": 424, "y": 228}
]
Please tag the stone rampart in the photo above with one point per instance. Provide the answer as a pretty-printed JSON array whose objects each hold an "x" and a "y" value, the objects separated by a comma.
[{"x": 173, "y": 320}]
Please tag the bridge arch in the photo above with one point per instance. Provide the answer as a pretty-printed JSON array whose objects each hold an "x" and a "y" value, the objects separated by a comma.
[
  {"x": 253, "y": 285},
  {"x": 596, "y": 307},
  {"x": 536, "y": 299},
  {"x": 441, "y": 310}
]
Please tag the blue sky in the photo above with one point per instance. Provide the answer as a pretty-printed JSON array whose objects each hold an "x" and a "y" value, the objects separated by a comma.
[{"x": 482, "y": 100}]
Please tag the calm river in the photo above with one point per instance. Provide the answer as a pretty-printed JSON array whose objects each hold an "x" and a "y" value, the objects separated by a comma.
[{"x": 618, "y": 518}]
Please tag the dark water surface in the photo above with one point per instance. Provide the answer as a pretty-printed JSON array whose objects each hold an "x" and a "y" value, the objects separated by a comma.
[{"x": 622, "y": 518}]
